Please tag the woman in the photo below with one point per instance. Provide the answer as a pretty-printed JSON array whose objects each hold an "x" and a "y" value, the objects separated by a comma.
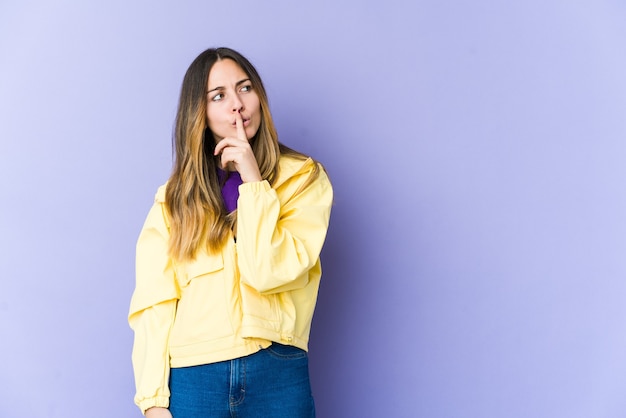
[{"x": 228, "y": 263}]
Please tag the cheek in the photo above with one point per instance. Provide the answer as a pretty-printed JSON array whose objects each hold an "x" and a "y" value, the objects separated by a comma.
[
  {"x": 254, "y": 104},
  {"x": 211, "y": 117},
  {"x": 257, "y": 110}
]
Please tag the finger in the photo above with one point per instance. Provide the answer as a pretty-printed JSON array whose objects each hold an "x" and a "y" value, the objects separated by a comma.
[
  {"x": 218, "y": 147},
  {"x": 241, "y": 132},
  {"x": 223, "y": 144},
  {"x": 228, "y": 160}
]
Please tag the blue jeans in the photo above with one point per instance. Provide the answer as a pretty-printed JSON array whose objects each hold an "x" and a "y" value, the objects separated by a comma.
[{"x": 272, "y": 383}]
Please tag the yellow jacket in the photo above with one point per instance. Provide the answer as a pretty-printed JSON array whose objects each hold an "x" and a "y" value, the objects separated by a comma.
[{"x": 259, "y": 289}]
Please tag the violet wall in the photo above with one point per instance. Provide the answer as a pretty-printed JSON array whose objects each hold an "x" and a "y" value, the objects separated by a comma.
[{"x": 476, "y": 261}]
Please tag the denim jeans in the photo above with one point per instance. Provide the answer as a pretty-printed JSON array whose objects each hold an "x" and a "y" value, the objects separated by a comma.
[{"x": 272, "y": 383}]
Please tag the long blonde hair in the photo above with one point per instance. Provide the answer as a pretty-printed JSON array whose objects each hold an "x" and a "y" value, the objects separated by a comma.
[{"x": 197, "y": 215}]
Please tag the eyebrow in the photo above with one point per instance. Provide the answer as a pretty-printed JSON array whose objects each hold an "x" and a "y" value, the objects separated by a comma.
[{"x": 222, "y": 88}]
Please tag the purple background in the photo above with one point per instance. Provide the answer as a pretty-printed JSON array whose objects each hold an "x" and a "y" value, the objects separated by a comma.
[{"x": 476, "y": 261}]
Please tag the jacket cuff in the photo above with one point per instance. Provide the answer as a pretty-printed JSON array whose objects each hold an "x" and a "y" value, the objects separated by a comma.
[
  {"x": 255, "y": 186},
  {"x": 157, "y": 402}
]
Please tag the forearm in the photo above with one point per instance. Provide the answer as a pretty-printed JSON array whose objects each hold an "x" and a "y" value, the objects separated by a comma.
[{"x": 279, "y": 241}]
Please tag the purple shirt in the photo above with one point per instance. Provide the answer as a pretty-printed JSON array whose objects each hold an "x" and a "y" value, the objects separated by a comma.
[{"x": 230, "y": 189}]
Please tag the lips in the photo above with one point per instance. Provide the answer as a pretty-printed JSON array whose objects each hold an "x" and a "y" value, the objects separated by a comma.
[{"x": 246, "y": 122}]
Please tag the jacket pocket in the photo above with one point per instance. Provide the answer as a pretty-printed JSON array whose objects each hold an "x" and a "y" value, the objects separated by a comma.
[
  {"x": 203, "y": 264},
  {"x": 204, "y": 311},
  {"x": 259, "y": 310}
]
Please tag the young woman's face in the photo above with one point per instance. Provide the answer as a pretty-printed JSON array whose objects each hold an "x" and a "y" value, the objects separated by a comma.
[{"x": 230, "y": 92}]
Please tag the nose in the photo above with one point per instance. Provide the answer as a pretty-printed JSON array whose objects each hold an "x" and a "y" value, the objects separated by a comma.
[{"x": 237, "y": 104}]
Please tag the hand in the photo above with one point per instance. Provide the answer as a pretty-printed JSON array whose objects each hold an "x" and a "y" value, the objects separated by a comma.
[
  {"x": 237, "y": 153},
  {"x": 158, "y": 413}
]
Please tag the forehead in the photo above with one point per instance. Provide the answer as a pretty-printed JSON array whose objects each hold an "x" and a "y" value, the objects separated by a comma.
[{"x": 224, "y": 73}]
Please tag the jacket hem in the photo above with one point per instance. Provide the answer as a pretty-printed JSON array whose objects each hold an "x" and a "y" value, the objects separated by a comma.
[
  {"x": 266, "y": 334},
  {"x": 211, "y": 354}
]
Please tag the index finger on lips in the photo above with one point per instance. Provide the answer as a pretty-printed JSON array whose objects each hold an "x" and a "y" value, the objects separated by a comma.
[{"x": 241, "y": 132}]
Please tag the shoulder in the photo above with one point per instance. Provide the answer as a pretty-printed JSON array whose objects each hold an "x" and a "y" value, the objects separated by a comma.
[
  {"x": 290, "y": 167},
  {"x": 157, "y": 215},
  {"x": 159, "y": 197},
  {"x": 302, "y": 179},
  {"x": 291, "y": 164}
]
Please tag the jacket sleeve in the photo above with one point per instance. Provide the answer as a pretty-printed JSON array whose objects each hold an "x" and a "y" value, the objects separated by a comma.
[
  {"x": 280, "y": 234},
  {"x": 152, "y": 311},
  {"x": 151, "y": 355}
]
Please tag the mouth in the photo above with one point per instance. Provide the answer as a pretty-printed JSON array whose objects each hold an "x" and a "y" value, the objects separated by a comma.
[{"x": 246, "y": 122}]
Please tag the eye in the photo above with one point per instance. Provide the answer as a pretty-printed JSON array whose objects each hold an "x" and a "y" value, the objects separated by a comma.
[
  {"x": 246, "y": 88},
  {"x": 217, "y": 97}
]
